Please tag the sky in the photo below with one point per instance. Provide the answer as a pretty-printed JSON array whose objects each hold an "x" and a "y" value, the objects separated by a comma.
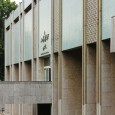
[{"x": 17, "y": 1}]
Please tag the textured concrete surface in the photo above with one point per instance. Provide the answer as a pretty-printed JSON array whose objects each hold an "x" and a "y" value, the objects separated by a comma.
[
  {"x": 108, "y": 80},
  {"x": 25, "y": 92},
  {"x": 91, "y": 80},
  {"x": 55, "y": 86},
  {"x": 72, "y": 83},
  {"x": 91, "y": 20},
  {"x": 56, "y": 25},
  {"x": 21, "y": 109}
]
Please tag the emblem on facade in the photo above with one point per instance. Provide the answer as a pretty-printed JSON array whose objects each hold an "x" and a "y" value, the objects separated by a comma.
[{"x": 44, "y": 39}]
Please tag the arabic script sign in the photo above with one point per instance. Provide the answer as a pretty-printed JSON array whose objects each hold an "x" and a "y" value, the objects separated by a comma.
[{"x": 44, "y": 42}]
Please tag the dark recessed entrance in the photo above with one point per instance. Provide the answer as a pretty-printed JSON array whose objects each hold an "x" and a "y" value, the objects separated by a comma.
[{"x": 44, "y": 109}]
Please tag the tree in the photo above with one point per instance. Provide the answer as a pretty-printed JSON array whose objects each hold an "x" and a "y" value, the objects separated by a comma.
[{"x": 6, "y": 6}]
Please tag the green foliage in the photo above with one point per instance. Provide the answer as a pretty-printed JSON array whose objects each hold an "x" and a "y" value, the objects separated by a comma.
[{"x": 6, "y": 7}]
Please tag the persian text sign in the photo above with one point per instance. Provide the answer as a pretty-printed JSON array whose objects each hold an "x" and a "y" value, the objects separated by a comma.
[{"x": 45, "y": 28}]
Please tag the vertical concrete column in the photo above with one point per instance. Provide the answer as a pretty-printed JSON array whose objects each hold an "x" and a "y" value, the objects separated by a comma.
[
  {"x": 20, "y": 70},
  {"x": 10, "y": 72},
  {"x": 60, "y": 61},
  {"x": 22, "y": 109},
  {"x": 12, "y": 45},
  {"x": 53, "y": 75},
  {"x": 35, "y": 28},
  {"x": 98, "y": 61},
  {"x": 22, "y": 45},
  {"x": 32, "y": 61},
  {"x": 36, "y": 77},
  {"x": 84, "y": 62},
  {"x": 35, "y": 39},
  {"x": 11, "y": 109},
  {"x": 16, "y": 109},
  {"x": 11, "y": 41},
  {"x": 8, "y": 109},
  {"x": 19, "y": 43},
  {"x": 34, "y": 70},
  {"x": 19, "y": 109},
  {"x": 55, "y": 85},
  {"x": 20, "y": 59}
]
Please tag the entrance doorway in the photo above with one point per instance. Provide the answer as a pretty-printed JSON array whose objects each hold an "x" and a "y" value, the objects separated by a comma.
[{"x": 44, "y": 109}]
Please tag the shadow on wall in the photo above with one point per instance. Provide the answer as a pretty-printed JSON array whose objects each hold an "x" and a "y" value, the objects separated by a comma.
[{"x": 72, "y": 82}]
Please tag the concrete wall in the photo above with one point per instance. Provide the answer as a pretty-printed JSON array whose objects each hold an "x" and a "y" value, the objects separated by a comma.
[
  {"x": 91, "y": 79},
  {"x": 28, "y": 109},
  {"x": 72, "y": 83},
  {"x": 67, "y": 70},
  {"x": 25, "y": 92},
  {"x": 27, "y": 71},
  {"x": 40, "y": 70},
  {"x": 16, "y": 109},
  {"x": 55, "y": 86},
  {"x": 16, "y": 72},
  {"x": 8, "y": 109},
  {"x": 7, "y": 73},
  {"x": 107, "y": 79},
  {"x": 19, "y": 109}
]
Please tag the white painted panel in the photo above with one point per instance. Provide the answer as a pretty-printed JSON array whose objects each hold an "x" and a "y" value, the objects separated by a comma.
[
  {"x": 108, "y": 10},
  {"x": 17, "y": 12},
  {"x": 8, "y": 22},
  {"x": 7, "y": 47},
  {"x": 16, "y": 43},
  {"x": 35, "y": 30},
  {"x": 21, "y": 39},
  {"x": 28, "y": 37},
  {"x": 44, "y": 27},
  {"x": 21, "y": 6},
  {"x": 27, "y": 3},
  {"x": 72, "y": 24}
]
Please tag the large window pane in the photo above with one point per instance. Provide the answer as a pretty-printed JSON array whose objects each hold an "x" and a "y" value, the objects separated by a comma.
[
  {"x": 108, "y": 10},
  {"x": 72, "y": 19}
]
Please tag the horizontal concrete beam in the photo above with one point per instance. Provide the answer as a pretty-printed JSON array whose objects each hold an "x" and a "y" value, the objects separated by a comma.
[{"x": 25, "y": 92}]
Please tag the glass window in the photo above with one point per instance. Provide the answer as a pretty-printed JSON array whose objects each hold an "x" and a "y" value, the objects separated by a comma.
[
  {"x": 108, "y": 10},
  {"x": 72, "y": 19},
  {"x": 47, "y": 69}
]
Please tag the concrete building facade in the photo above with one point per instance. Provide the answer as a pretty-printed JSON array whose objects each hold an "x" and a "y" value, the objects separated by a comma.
[{"x": 66, "y": 42}]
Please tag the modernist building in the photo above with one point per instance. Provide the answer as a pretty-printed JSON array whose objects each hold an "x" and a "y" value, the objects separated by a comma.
[{"x": 66, "y": 42}]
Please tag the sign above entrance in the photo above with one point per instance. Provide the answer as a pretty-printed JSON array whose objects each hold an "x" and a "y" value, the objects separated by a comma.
[{"x": 45, "y": 28}]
